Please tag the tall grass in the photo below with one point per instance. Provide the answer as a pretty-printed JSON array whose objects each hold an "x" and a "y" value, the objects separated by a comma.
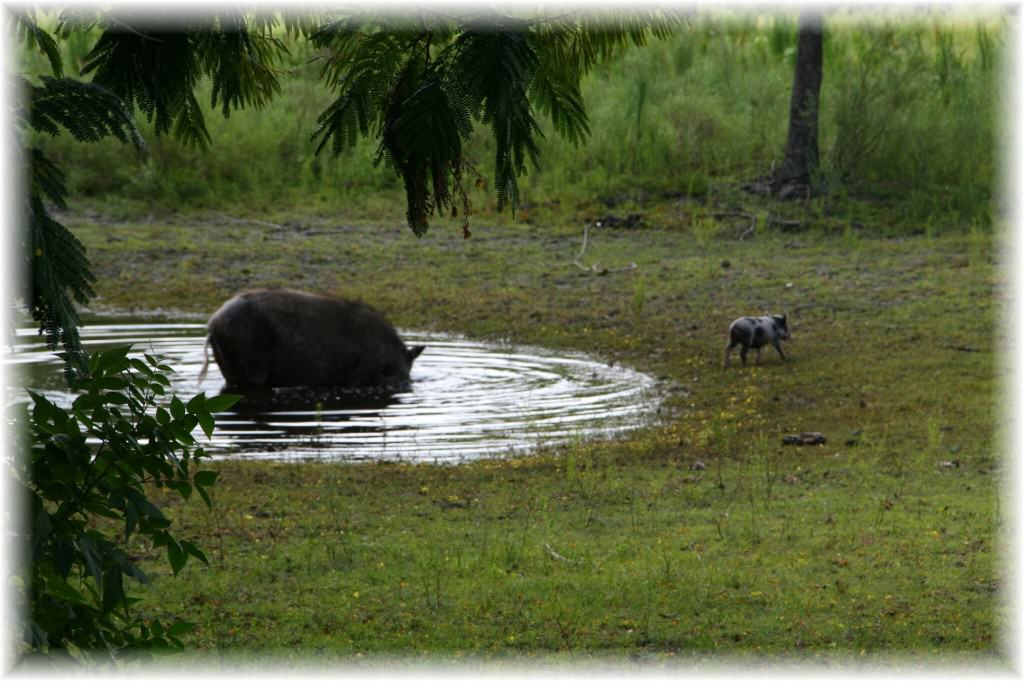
[
  {"x": 908, "y": 116},
  {"x": 908, "y": 113}
]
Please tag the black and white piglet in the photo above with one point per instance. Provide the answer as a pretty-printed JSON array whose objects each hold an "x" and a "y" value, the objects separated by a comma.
[{"x": 756, "y": 332}]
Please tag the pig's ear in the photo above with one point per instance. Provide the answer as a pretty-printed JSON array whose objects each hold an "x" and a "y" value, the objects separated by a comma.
[{"x": 415, "y": 351}]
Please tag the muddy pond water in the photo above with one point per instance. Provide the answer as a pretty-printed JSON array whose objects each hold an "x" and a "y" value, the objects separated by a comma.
[{"x": 468, "y": 399}]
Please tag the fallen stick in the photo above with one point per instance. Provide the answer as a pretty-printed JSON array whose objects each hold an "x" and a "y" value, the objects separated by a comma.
[
  {"x": 770, "y": 220},
  {"x": 962, "y": 348},
  {"x": 245, "y": 221},
  {"x": 596, "y": 266},
  {"x": 557, "y": 556}
]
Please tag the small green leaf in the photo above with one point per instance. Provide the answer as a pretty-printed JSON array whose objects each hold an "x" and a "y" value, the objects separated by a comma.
[
  {"x": 113, "y": 589},
  {"x": 154, "y": 524},
  {"x": 157, "y": 628},
  {"x": 180, "y": 434},
  {"x": 207, "y": 423},
  {"x": 91, "y": 556},
  {"x": 177, "y": 407},
  {"x": 222, "y": 402},
  {"x": 100, "y": 507},
  {"x": 161, "y": 539},
  {"x": 131, "y": 520},
  {"x": 204, "y": 495},
  {"x": 63, "y": 557},
  {"x": 204, "y": 478},
  {"x": 134, "y": 572},
  {"x": 113, "y": 360},
  {"x": 146, "y": 425},
  {"x": 115, "y": 398},
  {"x": 140, "y": 366},
  {"x": 184, "y": 489},
  {"x": 112, "y": 383},
  {"x": 43, "y": 409},
  {"x": 177, "y": 556},
  {"x": 197, "y": 404},
  {"x": 62, "y": 590},
  {"x": 64, "y": 472},
  {"x": 181, "y": 627},
  {"x": 144, "y": 505},
  {"x": 194, "y": 550}
]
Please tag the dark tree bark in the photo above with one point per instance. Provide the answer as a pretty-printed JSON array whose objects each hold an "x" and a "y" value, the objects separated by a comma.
[{"x": 796, "y": 176}]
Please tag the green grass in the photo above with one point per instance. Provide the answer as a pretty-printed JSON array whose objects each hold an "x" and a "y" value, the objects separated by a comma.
[
  {"x": 908, "y": 117},
  {"x": 697, "y": 537}
]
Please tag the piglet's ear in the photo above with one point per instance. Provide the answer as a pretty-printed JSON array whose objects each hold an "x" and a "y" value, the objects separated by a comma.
[{"x": 415, "y": 351}]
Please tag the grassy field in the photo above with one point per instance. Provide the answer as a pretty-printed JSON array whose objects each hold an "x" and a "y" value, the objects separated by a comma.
[
  {"x": 909, "y": 114},
  {"x": 699, "y": 537}
]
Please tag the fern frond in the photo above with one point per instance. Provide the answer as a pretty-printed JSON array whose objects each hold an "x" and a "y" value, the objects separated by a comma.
[
  {"x": 87, "y": 111},
  {"x": 46, "y": 179},
  {"x": 427, "y": 162},
  {"x": 155, "y": 69},
  {"x": 77, "y": 20},
  {"x": 240, "y": 62},
  {"x": 59, "y": 275},
  {"x": 493, "y": 70},
  {"x": 189, "y": 125},
  {"x": 421, "y": 83},
  {"x": 59, "y": 272},
  {"x": 556, "y": 90},
  {"x": 303, "y": 24},
  {"x": 22, "y": 23},
  {"x": 602, "y": 36},
  {"x": 364, "y": 72}
]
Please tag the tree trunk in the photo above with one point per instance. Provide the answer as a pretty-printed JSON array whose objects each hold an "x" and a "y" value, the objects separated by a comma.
[{"x": 798, "y": 172}]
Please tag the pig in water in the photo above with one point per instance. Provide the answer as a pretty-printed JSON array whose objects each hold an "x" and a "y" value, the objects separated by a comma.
[
  {"x": 756, "y": 332},
  {"x": 269, "y": 338}
]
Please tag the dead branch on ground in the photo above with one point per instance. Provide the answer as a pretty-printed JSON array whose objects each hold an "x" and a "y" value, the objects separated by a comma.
[
  {"x": 595, "y": 267},
  {"x": 768, "y": 220}
]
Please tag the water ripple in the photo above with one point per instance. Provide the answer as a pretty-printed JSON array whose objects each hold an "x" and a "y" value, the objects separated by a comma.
[{"x": 468, "y": 399}]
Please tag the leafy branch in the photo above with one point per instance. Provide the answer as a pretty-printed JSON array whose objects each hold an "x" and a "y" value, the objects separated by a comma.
[
  {"x": 419, "y": 86},
  {"x": 94, "y": 461}
]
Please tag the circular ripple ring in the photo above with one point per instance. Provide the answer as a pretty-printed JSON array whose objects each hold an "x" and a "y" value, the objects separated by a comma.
[{"x": 468, "y": 399}]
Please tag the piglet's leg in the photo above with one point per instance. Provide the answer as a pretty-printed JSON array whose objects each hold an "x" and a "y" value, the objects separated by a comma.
[{"x": 778, "y": 346}]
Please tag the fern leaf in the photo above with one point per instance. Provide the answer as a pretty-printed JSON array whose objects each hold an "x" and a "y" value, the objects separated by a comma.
[
  {"x": 46, "y": 179},
  {"x": 494, "y": 70},
  {"x": 85, "y": 110},
  {"x": 77, "y": 20},
  {"x": 23, "y": 25},
  {"x": 59, "y": 274},
  {"x": 364, "y": 70}
]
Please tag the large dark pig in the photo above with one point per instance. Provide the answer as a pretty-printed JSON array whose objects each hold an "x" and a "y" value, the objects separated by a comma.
[{"x": 280, "y": 337}]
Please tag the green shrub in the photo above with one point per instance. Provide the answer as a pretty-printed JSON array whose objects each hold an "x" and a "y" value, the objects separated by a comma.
[{"x": 85, "y": 472}]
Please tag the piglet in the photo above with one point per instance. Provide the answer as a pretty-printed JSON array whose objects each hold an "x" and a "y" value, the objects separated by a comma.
[{"x": 756, "y": 332}]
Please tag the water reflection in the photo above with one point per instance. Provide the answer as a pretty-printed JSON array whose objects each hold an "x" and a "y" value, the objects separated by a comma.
[{"x": 467, "y": 399}]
